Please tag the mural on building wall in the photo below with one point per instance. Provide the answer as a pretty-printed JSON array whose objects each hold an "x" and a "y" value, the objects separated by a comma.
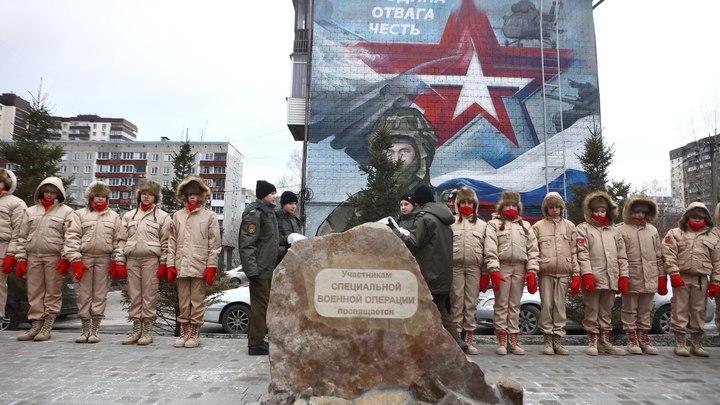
[{"x": 458, "y": 83}]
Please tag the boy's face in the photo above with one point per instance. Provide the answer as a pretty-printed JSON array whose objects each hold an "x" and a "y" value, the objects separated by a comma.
[
  {"x": 600, "y": 212},
  {"x": 147, "y": 198},
  {"x": 271, "y": 198},
  {"x": 696, "y": 218},
  {"x": 99, "y": 200},
  {"x": 49, "y": 195},
  {"x": 193, "y": 198},
  {"x": 510, "y": 207},
  {"x": 290, "y": 207},
  {"x": 554, "y": 211},
  {"x": 405, "y": 207}
]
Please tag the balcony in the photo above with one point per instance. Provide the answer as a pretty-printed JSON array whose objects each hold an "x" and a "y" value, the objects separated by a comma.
[
  {"x": 302, "y": 41},
  {"x": 296, "y": 117}
]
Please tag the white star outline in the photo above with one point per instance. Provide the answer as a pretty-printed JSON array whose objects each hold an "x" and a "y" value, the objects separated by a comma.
[{"x": 475, "y": 86}]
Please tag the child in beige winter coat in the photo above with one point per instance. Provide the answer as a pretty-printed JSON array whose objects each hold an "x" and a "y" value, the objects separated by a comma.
[
  {"x": 468, "y": 245},
  {"x": 91, "y": 243},
  {"x": 193, "y": 251},
  {"x": 12, "y": 210},
  {"x": 558, "y": 262}
]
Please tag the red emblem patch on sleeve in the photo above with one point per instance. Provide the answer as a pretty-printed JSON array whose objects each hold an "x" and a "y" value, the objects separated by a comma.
[
  {"x": 580, "y": 240},
  {"x": 172, "y": 228},
  {"x": 69, "y": 223},
  {"x": 251, "y": 228}
]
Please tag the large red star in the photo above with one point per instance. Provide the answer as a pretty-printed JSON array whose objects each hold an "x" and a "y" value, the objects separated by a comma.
[{"x": 468, "y": 72}]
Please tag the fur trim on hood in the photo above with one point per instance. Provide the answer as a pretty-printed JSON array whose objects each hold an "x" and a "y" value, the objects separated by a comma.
[
  {"x": 96, "y": 189},
  {"x": 466, "y": 194},
  {"x": 612, "y": 208},
  {"x": 52, "y": 181},
  {"x": 8, "y": 177},
  {"x": 509, "y": 197},
  {"x": 696, "y": 206},
  {"x": 151, "y": 187},
  {"x": 552, "y": 199},
  {"x": 204, "y": 190},
  {"x": 640, "y": 199}
]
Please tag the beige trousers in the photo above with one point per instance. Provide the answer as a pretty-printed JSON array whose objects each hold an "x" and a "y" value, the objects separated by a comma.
[
  {"x": 92, "y": 289},
  {"x": 464, "y": 296},
  {"x": 598, "y": 310},
  {"x": 191, "y": 297},
  {"x": 636, "y": 308},
  {"x": 553, "y": 293},
  {"x": 689, "y": 305},
  {"x": 507, "y": 299},
  {"x": 142, "y": 285},
  {"x": 44, "y": 286}
]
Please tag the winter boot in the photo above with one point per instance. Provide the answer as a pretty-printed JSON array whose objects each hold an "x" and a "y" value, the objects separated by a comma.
[
  {"x": 633, "y": 344},
  {"x": 470, "y": 344},
  {"x": 592, "y": 349},
  {"x": 645, "y": 342},
  {"x": 83, "y": 338},
  {"x": 515, "y": 345},
  {"x": 184, "y": 331},
  {"x": 146, "y": 334},
  {"x": 548, "y": 345},
  {"x": 460, "y": 342},
  {"x": 135, "y": 335},
  {"x": 558, "y": 347},
  {"x": 502, "y": 343},
  {"x": 34, "y": 330},
  {"x": 680, "y": 347},
  {"x": 606, "y": 346},
  {"x": 193, "y": 339},
  {"x": 46, "y": 328},
  {"x": 94, "y": 330},
  {"x": 696, "y": 346}
]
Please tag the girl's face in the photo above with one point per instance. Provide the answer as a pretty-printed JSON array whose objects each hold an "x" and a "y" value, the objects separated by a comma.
[
  {"x": 147, "y": 198},
  {"x": 466, "y": 203},
  {"x": 510, "y": 207},
  {"x": 405, "y": 207},
  {"x": 49, "y": 195},
  {"x": 99, "y": 200},
  {"x": 555, "y": 211},
  {"x": 600, "y": 212},
  {"x": 696, "y": 219},
  {"x": 192, "y": 198},
  {"x": 639, "y": 214}
]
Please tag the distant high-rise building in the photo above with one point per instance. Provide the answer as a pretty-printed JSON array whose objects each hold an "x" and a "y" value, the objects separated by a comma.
[
  {"x": 13, "y": 111},
  {"x": 94, "y": 128},
  {"x": 694, "y": 172}
]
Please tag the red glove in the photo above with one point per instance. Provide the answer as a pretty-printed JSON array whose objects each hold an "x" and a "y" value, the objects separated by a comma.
[
  {"x": 121, "y": 271},
  {"x": 113, "y": 270},
  {"x": 662, "y": 285},
  {"x": 21, "y": 268},
  {"x": 623, "y": 285},
  {"x": 8, "y": 264},
  {"x": 676, "y": 281},
  {"x": 531, "y": 280},
  {"x": 713, "y": 290},
  {"x": 496, "y": 280},
  {"x": 162, "y": 271},
  {"x": 575, "y": 285},
  {"x": 484, "y": 282},
  {"x": 78, "y": 268},
  {"x": 63, "y": 267},
  {"x": 588, "y": 282},
  {"x": 171, "y": 274},
  {"x": 210, "y": 275}
]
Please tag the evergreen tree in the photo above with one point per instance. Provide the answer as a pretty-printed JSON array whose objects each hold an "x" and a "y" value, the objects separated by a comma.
[
  {"x": 34, "y": 158},
  {"x": 183, "y": 163},
  {"x": 380, "y": 198}
]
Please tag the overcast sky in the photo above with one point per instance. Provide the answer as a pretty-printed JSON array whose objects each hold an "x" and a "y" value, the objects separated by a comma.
[{"x": 221, "y": 68}]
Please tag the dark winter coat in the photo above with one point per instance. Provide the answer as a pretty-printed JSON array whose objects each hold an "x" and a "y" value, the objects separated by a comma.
[
  {"x": 287, "y": 224},
  {"x": 259, "y": 240}
]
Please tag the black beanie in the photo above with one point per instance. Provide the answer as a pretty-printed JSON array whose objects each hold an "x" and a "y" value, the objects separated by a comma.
[
  {"x": 263, "y": 188},
  {"x": 408, "y": 197},
  {"x": 423, "y": 194},
  {"x": 288, "y": 197}
]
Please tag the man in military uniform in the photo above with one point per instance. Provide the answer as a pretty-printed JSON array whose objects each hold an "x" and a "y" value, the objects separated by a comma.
[
  {"x": 414, "y": 141},
  {"x": 288, "y": 222},
  {"x": 258, "y": 254}
]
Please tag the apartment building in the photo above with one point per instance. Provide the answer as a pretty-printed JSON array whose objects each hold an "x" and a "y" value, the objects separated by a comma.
[
  {"x": 13, "y": 110},
  {"x": 694, "y": 172},
  {"x": 94, "y": 128}
]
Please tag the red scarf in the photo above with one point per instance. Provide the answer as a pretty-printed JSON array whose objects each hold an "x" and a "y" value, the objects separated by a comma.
[
  {"x": 47, "y": 204},
  {"x": 467, "y": 210},
  {"x": 601, "y": 220},
  {"x": 100, "y": 208},
  {"x": 696, "y": 226},
  {"x": 510, "y": 214},
  {"x": 192, "y": 207},
  {"x": 146, "y": 207}
]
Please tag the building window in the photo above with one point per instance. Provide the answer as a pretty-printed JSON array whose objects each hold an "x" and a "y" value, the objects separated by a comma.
[
  {"x": 64, "y": 156},
  {"x": 153, "y": 170},
  {"x": 73, "y": 183},
  {"x": 75, "y": 169},
  {"x": 166, "y": 183},
  {"x": 88, "y": 169},
  {"x": 103, "y": 155},
  {"x": 76, "y": 156},
  {"x": 218, "y": 210},
  {"x": 155, "y": 157},
  {"x": 168, "y": 157},
  {"x": 88, "y": 156},
  {"x": 73, "y": 196},
  {"x": 205, "y": 169},
  {"x": 127, "y": 155},
  {"x": 63, "y": 169},
  {"x": 218, "y": 196},
  {"x": 220, "y": 170},
  {"x": 114, "y": 195},
  {"x": 86, "y": 182},
  {"x": 166, "y": 170},
  {"x": 209, "y": 156}
]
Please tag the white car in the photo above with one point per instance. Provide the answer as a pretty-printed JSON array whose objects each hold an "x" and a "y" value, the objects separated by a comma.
[
  {"x": 237, "y": 276},
  {"x": 231, "y": 310},
  {"x": 530, "y": 312}
]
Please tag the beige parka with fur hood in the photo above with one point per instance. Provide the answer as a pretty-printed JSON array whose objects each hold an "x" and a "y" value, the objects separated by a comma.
[
  {"x": 90, "y": 232},
  {"x": 556, "y": 241},
  {"x": 642, "y": 245},
  {"x": 12, "y": 209},
  {"x": 601, "y": 248},
  {"x": 693, "y": 253},
  {"x": 194, "y": 243},
  {"x": 509, "y": 241},
  {"x": 145, "y": 233}
]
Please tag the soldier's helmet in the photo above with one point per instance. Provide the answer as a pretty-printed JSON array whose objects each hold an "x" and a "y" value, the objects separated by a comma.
[{"x": 410, "y": 125}]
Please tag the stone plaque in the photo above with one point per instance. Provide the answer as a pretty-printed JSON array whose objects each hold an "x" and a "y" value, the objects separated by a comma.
[{"x": 366, "y": 293}]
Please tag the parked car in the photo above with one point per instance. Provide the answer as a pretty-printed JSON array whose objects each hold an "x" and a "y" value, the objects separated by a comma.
[
  {"x": 530, "y": 312},
  {"x": 237, "y": 276},
  {"x": 17, "y": 305},
  {"x": 231, "y": 310}
]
